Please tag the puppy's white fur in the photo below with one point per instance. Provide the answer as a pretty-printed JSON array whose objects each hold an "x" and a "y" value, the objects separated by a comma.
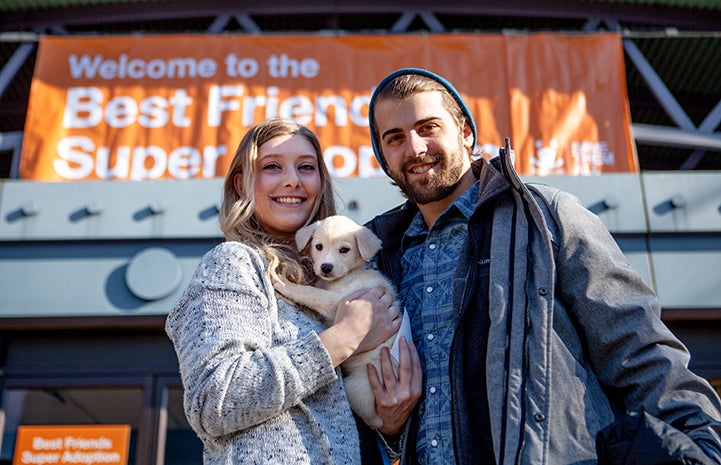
[{"x": 339, "y": 247}]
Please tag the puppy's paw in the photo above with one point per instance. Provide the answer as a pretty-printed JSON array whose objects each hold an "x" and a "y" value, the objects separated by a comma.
[
  {"x": 279, "y": 278},
  {"x": 280, "y": 284}
]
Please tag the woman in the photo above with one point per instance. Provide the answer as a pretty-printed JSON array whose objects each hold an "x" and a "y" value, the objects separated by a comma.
[{"x": 260, "y": 377}]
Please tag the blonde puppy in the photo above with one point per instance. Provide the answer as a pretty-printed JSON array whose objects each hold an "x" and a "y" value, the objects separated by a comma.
[{"x": 339, "y": 248}]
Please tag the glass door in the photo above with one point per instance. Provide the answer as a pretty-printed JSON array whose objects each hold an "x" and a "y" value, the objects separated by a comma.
[
  {"x": 177, "y": 443},
  {"x": 66, "y": 405}
]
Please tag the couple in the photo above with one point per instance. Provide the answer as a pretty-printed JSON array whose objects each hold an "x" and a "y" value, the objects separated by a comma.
[{"x": 532, "y": 337}]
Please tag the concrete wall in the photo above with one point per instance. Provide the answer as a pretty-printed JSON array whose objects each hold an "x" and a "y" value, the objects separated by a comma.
[{"x": 128, "y": 248}]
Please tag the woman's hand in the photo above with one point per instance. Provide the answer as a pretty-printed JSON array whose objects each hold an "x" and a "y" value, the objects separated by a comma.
[
  {"x": 386, "y": 319},
  {"x": 398, "y": 393},
  {"x": 364, "y": 319}
]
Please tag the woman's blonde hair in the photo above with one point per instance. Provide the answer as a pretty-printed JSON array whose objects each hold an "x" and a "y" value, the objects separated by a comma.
[{"x": 237, "y": 219}]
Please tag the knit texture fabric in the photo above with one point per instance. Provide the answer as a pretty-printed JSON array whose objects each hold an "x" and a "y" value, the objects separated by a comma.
[{"x": 259, "y": 386}]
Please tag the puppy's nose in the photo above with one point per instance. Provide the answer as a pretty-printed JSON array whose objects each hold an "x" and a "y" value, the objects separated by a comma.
[{"x": 326, "y": 268}]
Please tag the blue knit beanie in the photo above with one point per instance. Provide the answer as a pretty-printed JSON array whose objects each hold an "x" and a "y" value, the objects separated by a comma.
[{"x": 422, "y": 72}]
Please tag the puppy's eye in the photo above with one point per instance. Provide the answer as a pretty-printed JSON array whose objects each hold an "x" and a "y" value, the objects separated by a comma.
[
  {"x": 319, "y": 247},
  {"x": 344, "y": 250}
]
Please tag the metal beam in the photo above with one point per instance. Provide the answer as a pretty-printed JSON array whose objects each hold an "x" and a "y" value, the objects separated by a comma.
[
  {"x": 13, "y": 65},
  {"x": 658, "y": 87},
  {"x": 675, "y": 137},
  {"x": 432, "y": 22},
  {"x": 628, "y": 13},
  {"x": 709, "y": 124},
  {"x": 712, "y": 120},
  {"x": 248, "y": 24},
  {"x": 12, "y": 141},
  {"x": 219, "y": 23},
  {"x": 405, "y": 20}
]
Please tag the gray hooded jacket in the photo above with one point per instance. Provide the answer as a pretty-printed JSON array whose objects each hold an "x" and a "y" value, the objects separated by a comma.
[{"x": 575, "y": 336}]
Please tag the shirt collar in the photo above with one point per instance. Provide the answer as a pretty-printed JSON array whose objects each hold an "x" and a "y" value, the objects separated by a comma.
[{"x": 463, "y": 207}]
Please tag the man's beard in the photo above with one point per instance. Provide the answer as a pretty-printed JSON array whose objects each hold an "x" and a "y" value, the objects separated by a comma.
[{"x": 445, "y": 179}]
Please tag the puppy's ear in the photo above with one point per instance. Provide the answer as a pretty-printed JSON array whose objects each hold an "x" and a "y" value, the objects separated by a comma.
[
  {"x": 368, "y": 243},
  {"x": 304, "y": 234}
]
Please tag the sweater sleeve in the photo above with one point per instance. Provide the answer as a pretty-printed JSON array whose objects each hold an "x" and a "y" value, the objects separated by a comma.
[
  {"x": 634, "y": 354},
  {"x": 234, "y": 375}
]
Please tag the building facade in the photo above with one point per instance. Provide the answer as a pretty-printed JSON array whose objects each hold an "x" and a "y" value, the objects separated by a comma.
[{"x": 89, "y": 270}]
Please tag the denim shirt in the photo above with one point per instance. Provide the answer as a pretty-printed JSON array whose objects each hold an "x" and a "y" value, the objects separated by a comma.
[{"x": 429, "y": 265}]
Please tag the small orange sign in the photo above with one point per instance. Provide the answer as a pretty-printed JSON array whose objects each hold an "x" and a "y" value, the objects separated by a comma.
[{"x": 66, "y": 444}]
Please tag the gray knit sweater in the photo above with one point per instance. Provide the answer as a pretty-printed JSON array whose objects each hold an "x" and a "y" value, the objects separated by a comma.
[{"x": 259, "y": 385}]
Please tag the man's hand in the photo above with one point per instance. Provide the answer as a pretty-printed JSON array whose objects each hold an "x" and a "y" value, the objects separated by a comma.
[{"x": 396, "y": 394}]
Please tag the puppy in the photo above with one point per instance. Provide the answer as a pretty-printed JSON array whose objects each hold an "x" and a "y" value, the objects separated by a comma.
[{"x": 339, "y": 247}]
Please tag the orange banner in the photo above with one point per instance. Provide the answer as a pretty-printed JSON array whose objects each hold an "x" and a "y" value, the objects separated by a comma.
[
  {"x": 91, "y": 444},
  {"x": 176, "y": 107}
]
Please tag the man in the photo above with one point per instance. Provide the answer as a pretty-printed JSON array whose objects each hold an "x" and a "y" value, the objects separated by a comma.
[{"x": 534, "y": 333}]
